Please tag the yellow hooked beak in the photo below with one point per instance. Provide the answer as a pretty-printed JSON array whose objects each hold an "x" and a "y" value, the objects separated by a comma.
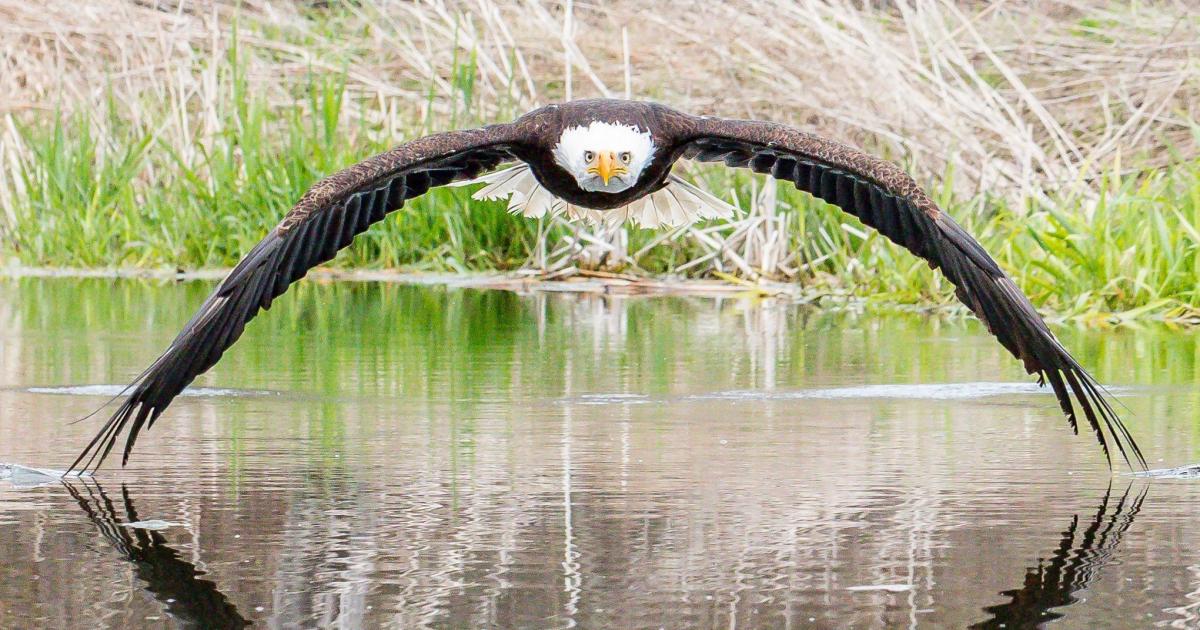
[{"x": 607, "y": 166}]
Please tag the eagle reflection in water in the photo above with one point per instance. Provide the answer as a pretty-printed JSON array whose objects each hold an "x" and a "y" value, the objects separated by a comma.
[
  {"x": 1081, "y": 553},
  {"x": 191, "y": 601}
]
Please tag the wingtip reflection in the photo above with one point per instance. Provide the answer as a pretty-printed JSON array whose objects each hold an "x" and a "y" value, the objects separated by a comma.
[
  {"x": 1081, "y": 554},
  {"x": 193, "y": 602}
]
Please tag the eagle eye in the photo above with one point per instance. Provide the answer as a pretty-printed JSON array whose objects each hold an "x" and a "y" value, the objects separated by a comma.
[
  {"x": 588, "y": 156},
  {"x": 625, "y": 157}
]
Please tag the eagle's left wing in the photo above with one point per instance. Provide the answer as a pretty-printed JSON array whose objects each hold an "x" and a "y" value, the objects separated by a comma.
[{"x": 884, "y": 197}]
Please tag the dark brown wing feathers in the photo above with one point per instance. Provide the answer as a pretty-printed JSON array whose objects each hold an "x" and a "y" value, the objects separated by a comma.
[
  {"x": 325, "y": 220},
  {"x": 884, "y": 197}
]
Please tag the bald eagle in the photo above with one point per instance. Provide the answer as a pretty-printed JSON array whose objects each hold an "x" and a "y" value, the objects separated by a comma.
[{"x": 608, "y": 160}]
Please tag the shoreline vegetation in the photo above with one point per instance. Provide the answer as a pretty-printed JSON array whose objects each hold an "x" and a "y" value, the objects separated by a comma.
[
  {"x": 1065, "y": 136},
  {"x": 567, "y": 280},
  {"x": 575, "y": 280}
]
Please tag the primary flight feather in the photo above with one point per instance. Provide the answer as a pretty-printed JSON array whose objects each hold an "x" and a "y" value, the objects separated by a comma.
[{"x": 601, "y": 161}]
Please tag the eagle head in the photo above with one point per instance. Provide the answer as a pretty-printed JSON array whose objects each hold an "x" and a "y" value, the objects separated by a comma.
[{"x": 604, "y": 157}]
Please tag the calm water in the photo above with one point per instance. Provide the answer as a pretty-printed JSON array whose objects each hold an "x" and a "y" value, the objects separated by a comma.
[{"x": 380, "y": 455}]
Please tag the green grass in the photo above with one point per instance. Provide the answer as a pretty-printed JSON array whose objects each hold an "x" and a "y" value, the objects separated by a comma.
[{"x": 129, "y": 198}]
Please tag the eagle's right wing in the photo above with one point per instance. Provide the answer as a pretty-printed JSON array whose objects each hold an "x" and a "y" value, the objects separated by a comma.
[{"x": 325, "y": 220}]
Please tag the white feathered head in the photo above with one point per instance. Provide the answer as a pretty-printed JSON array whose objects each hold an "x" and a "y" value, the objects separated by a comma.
[{"x": 604, "y": 157}]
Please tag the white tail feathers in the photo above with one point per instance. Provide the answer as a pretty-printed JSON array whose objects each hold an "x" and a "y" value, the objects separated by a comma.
[{"x": 678, "y": 203}]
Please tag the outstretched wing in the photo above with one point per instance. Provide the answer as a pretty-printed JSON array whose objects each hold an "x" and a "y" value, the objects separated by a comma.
[
  {"x": 325, "y": 220},
  {"x": 884, "y": 197}
]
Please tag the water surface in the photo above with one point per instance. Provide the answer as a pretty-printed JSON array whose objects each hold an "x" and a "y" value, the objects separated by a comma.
[{"x": 382, "y": 455}]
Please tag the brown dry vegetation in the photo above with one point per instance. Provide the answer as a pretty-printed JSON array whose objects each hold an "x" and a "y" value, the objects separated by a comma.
[{"x": 1016, "y": 95}]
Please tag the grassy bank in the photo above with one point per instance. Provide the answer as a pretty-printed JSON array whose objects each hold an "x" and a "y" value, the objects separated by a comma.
[{"x": 164, "y": 161}]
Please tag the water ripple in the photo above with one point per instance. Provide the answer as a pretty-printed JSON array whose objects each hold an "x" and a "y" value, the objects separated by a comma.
[{"x": 117, "y": 390}]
